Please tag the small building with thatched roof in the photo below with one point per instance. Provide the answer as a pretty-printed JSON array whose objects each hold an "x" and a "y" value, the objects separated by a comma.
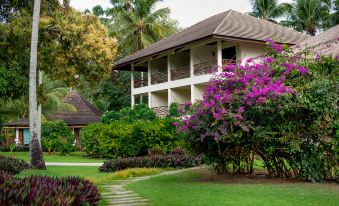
[{"x": 85, "y": 114}]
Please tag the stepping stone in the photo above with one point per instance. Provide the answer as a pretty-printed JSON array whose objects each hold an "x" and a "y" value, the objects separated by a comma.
[
  {"x": 128, "y": 200},
  {"x": 123, "y": 192},
  {"x": 130, "y": 204},
  {"x": 121, "y": 196}
]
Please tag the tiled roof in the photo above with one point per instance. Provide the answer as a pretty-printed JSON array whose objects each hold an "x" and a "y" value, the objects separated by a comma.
[
  {"x": 230, "y": 24},
  {"x": 325, "y": 43}
]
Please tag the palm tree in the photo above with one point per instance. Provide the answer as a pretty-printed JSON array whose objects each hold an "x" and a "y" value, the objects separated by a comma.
[
  {"x": 137, "y": 25},
  {"x": 37, "y": 160},
  {"x": 308, "y": 15},
  {"x": 269, "y": 9}
]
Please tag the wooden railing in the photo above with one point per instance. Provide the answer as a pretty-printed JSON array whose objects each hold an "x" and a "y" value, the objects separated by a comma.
[
  {"x": 180, "y": 73},
  {"x": 205, "y": 68},
  {"x": 161, "y": 111},
  {"x": 159, "y": 77},
  {"x": 226, "y": 62},
  {"x": 140, "y": 82}
]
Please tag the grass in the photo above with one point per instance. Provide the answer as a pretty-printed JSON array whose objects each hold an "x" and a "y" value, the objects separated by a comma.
[
  {"x": 188, "y": 189},
  {"x": 75, "y": 157},
  {"x": 90, "y": 173}
]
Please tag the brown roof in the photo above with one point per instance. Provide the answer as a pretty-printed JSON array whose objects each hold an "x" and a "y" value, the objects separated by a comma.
[
  {"x": 84, "y": 115},
  {"x": 230, "y": 24},
  {"x": 325, "y": 43}
]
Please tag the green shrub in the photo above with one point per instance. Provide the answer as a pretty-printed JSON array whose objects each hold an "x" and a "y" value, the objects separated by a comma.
[
  {"x": 56, "y": 137},
  {"x": 12, "y": 165},
  {"x": 139, "y": 112},
  {"x": 173, "y": 110},
  {"x": 40, "y": 190},
  {"x": 120, "y": 139},
  {"x": 103, "y": 140},
  {"x": 158, "y": 161}
]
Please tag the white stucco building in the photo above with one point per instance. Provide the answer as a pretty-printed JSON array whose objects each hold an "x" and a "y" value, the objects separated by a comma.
[{"x": 178, "y": 68}]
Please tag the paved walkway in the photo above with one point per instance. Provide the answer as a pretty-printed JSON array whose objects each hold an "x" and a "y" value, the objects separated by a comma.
[
  {"x": 118, "y": 195},
  {"x": 72, "y": 164}
]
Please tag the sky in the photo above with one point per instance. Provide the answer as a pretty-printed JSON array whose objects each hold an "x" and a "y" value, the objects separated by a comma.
[{"x": 187, "y": 12}]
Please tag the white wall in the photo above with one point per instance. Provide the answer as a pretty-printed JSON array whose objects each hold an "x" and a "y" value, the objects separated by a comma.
[
  {"x": 159, "y": 99},
  {"x": 249, "y": 50},
  {"x": 205, "y": 53},
  {"x": 199, "y": 90},
  {"x": 181, "y": 96}
]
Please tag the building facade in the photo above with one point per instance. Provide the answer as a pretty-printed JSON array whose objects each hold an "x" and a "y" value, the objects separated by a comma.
[{"x": 178, "y": 68}]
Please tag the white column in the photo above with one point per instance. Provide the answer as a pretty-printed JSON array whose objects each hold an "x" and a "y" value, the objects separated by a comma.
[
  {"x": 132, "y": 86},
  {"x": 219, "y": 55},
  {"x": 169, "y": 68},
  {"x": 16, "y": 136},
  {"x": 169, "y": 97},
  {"x": 149, "y": 99},
  {"x": 192, "y": 62},
  {"x": 149, "y": 72},
  {"x": 192, "y": 93}
]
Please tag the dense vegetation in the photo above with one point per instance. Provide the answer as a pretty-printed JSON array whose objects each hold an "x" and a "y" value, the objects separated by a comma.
[
  {"x": 124, "y": 139},
  {"x": 56, "y": 137},
  {"x": 41, "y": 190},
  {"x": 280, "y": 108},
  {"x": 128, "y": 114},
  {"x": 12, "y": 165},
  {"x": 152, "y": 161}
]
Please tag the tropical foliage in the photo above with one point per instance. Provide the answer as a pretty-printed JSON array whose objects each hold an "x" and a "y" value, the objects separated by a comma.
[
  {"x": 128, "y": 114},
  {"x": 56, "y": 137},
  {"x": 309, "y": 15},
  {"x": 280, "y": 108},
  {"x": 41, "y": 190},
  {"x": 268, "y": 9},
  {"x": 123, "y": 139}
]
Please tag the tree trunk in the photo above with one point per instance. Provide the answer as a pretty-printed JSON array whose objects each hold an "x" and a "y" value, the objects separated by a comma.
[{"x": 37, "y": 160}]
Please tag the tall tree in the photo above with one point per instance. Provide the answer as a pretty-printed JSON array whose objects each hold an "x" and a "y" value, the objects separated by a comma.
[
  {"x": 268, "y": 9},
  {"x": 308, "y": 16},
  {"x": 137, "y": 24},
  {"x": 37, "y": 160}
]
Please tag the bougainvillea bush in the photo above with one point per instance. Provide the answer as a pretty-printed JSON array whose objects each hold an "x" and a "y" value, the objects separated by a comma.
[
  {"x": 281, "y": 108},
  {"x": 40, "y": 190}
]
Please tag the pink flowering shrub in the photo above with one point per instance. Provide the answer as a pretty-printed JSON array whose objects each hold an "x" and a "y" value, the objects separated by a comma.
[{"x": 243, "y": 114}]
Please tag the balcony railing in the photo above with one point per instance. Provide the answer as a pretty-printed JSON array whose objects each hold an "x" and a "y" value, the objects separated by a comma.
[
  {"x": 140, "y": 82},
  {"x": 159, "y": 77},
  {"x": 226, "y": 62},
  {"x": 180, "y": 73},
  {"x": 205, "y": 68},
  {"x": 161, "y": 111}
]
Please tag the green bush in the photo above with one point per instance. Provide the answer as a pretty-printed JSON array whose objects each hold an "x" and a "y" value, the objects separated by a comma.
[
  {"x": 56, "y": 137},
  {"x": 139, "y": 112},
  {"x": 12, "y": 165},
  {"x": 121, "y": 139},
  {"x": 155, "y": 161},
  {"x": 173, "y": 110}
]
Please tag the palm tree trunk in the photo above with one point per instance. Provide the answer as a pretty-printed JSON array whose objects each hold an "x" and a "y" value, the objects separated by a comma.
[{"x": 37, "y": 160}]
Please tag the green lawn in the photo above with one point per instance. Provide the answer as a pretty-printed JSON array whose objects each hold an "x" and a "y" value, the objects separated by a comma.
[
  {"x": 75, "y": 157},
  {"x": 187, "y": 189}
]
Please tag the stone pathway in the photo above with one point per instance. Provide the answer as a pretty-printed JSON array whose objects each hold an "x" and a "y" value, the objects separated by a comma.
[{"x": 117, "y": 194}]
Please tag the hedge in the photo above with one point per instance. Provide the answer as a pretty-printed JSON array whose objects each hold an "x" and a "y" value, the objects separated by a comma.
[
  {"x": 155, "y": 161},
  {"x": 121, "y": 139}
]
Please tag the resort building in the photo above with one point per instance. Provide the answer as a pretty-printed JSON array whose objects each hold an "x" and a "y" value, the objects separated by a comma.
[
  {"x": 85, "y": 114},
  {"x": 177, "y": 69}
]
